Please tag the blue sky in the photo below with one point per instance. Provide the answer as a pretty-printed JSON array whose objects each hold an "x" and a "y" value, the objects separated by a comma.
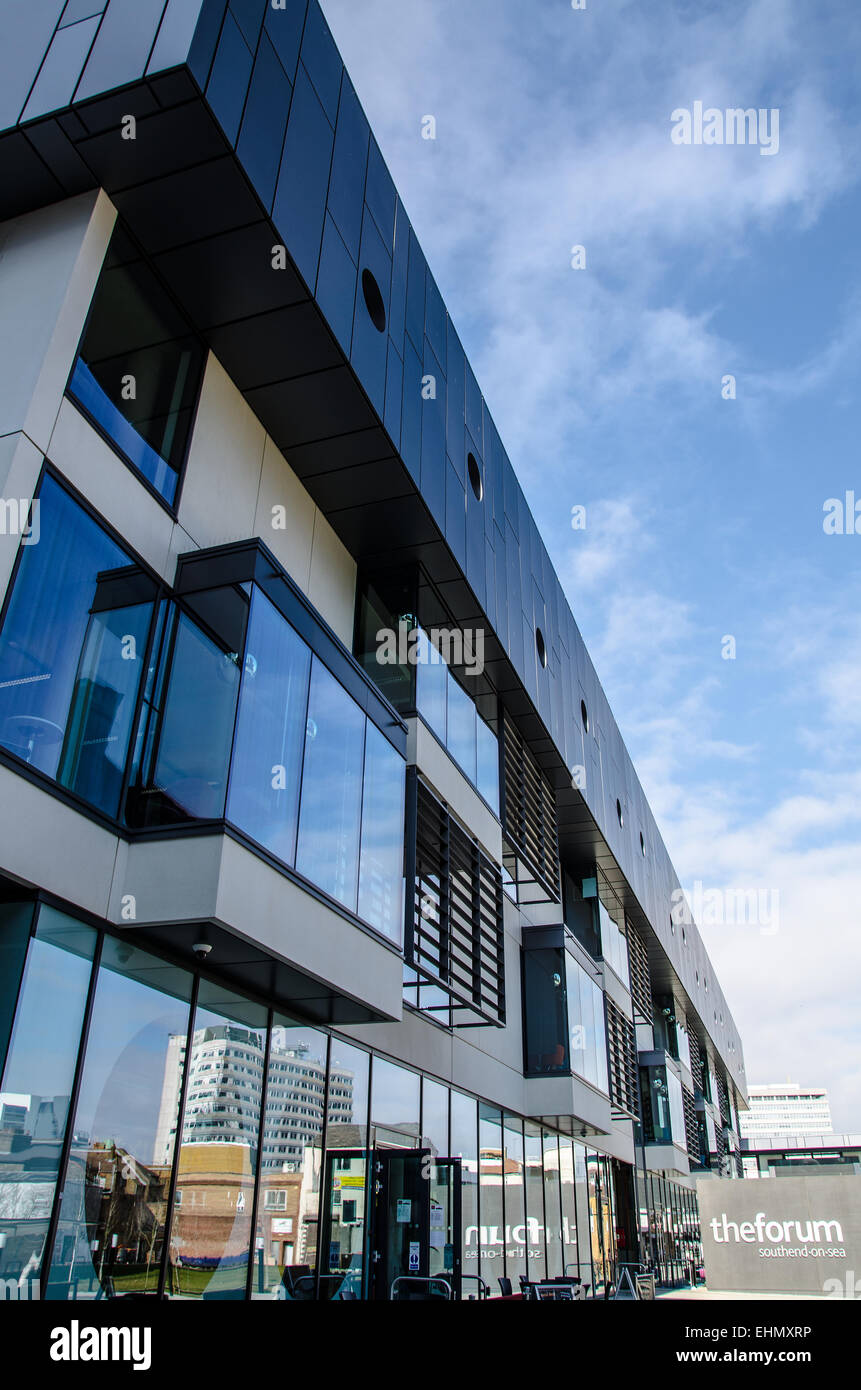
[{"x": 704, "y": 515}]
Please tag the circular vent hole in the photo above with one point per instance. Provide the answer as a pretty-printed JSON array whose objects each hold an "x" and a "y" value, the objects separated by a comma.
[
  {"x": 374, "y": 301},
  {"x": 584, "y": 715},
  {"x": 619, "y": 815},
  {"x": 542, "y": 650},
  {"x": 474, "y": 472}
]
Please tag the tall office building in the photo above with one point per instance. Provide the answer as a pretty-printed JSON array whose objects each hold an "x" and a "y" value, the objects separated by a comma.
[
  {"x": 305, "y": 771},
  {"x": 786, "y": 1109}
]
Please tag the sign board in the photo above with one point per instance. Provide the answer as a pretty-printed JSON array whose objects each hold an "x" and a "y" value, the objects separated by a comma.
[
  {"x": 414, "y": 1257},
  {"x": 782, "y": 1235},
  {"x": 405, "y": 1208}
]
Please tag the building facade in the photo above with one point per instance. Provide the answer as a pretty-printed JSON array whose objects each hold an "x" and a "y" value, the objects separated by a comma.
[
  {"x": 339, "y": 941},
  {"x": 786, "y": 1109}
]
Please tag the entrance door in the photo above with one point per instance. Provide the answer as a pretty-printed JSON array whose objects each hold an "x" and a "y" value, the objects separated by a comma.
[
  {"x": 444, "y": 1255},
  {"x": 415, "y": 1220}
]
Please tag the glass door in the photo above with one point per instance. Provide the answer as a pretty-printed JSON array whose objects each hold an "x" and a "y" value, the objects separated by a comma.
[
  {"x": 400, "y": 1228},
  {"x": 342, "y": 1247},
  {"x": 444, "y": 1241}
]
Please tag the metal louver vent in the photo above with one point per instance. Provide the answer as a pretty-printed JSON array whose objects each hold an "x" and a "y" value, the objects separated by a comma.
[
  {"x": 622, "y": 1057},
  {"x": 641, "y": 983},
  {"x": 529, "y": 810},
  {"x": 692, "y": 1131},
  {"x": 454, "y": 935}
]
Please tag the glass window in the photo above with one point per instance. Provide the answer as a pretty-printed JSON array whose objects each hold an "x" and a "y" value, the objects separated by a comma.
[
  {"x": 570, "y": 1264},
  {"x": 488, "y": 764},
  {"x": 515, "y": 1200},
  {"x": 270, "y": 731},
  {"x": 677, "y": 1108},
  {"x": 70, "y": 666},
  {"x": 586, "y": 1019},
  {"x": 581, "y": 1193},
  {"x": 534, "y": 1167},
  {"x": 197, "y": 726},
  {"x": 394, "y": 1104},
  {"x": 111, "y": 1230},
  {"x": 552, "y": 1206},
  {"x": 328, "y": 847},
  {"x": 139, "y": 367},
  {"x": 545, "y": 1018},
  {"x": 217, "y": 1166},
  {"x": 381, "y": 862},
  {"x": 435, "y": 1117},
  {"x": 432, "y": 680},
  {"x": 461, "y": 729},
  {"x": 614, "y": 945},
  {"x": 492, "y": 1233},
  {"x": 36, "y": 1087},
  {"x": 464, "y": 1145},
  {"x": 285, "y": 1243},
  {"x": 347, "y": 1160}
]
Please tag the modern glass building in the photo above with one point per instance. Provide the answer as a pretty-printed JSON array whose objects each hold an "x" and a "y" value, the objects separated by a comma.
[{"x": 336, "y": 934}]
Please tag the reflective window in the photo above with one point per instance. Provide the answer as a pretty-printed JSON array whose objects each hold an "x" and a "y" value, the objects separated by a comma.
[
  {"x": 487, "y": 779},
  {"x": 534, "y": 1162},
  {"x": 394, "y": 1104},
  {"x": 36, "y": 1087},
  {"x": 217, "y": 1167},
  {"x": 552, "y": 1206},
  {"x": 347, "y": 1162},
  {"x": 461, "y": 729},
  {"x": 197, "y": 724},
  {"x": 432, "y": 680},
  {"x": 285, "y": 1245},
  {"x": 72, "y": 652},
  {"x": 111, "y": 1231},
  {"x": 464, "y": 1145},
  {"x": 328, "y": 846},
  {"x": 270, "y": 731},
  {"x": 570, "y": 1263},
  {"x": 139, "y": 367},
  {"x": 381, "y": 863},
  {"x": 586, "y": 1021},
  {"x": 614, "y": 945},
  {"x": 492, "y": 1243},
  {"x": 581, "y": 1194},
  {"x": 515, "y": 1200},
  {"x": 545, "y": 1012},
  {"x": 450, "y": 712},
  {"x": 435, "y": 1117}
]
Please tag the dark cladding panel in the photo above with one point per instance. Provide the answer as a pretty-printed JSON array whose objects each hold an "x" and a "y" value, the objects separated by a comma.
[
  {"x": 181, "y": 19},
  {"x": 380, "y": 195},
  {"x": 322, "y": 61},
  {"x": 455, "y": 515},
  {"x": 411, "y": 416},
  {"x": 454, "y": 411},
  {"x": 346, "y": 186},
  {"x": 394, "y": 393},
  {"x": 284, "y": 27},
  {"x": 415, "y": 318},
  {"x": 300, "y": 199},
  {"x": 433, "y": 439},
  {"x": 368, "y": 354},
  {"x": 249, "y": 16},
  {"x": 228, "y": 82},
  {"x": 400, "y": 262},
  {"x": 264, "y": 122},
  {"x": 61, "y": 69},
  {"x": 122, "y": 47},
  {"x": 336, "y": 286},
  {"x": 21, "y": 52}
]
